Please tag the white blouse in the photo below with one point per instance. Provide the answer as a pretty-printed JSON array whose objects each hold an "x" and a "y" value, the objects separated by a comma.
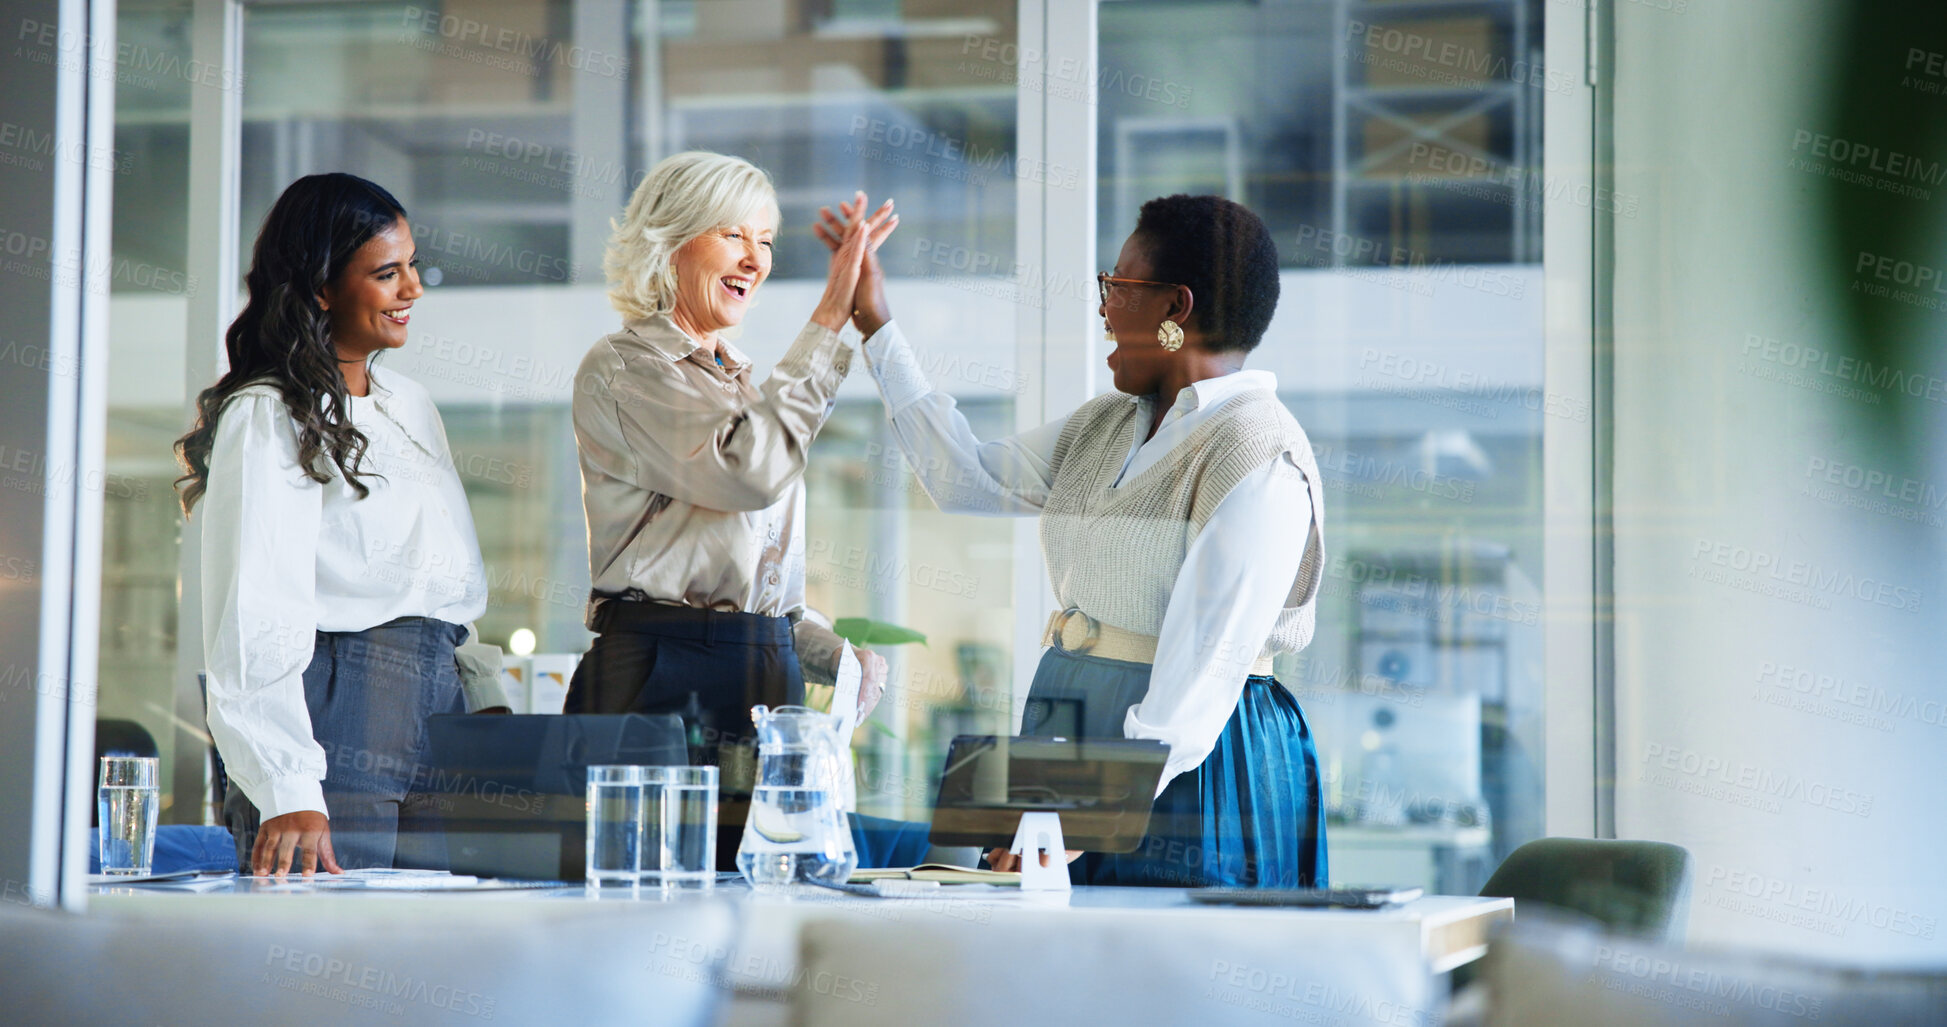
[
  {"x": 1236, "y": 573},
  {"x": 285, "y": 557}
]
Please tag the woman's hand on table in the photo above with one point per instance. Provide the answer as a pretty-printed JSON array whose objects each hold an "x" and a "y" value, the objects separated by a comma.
[
  {"x": 849, "y": 248},
  {"x": 305, "y": 834},
  {"x": 870, "y": 311},
  {"x": 1003, "y": 860}
]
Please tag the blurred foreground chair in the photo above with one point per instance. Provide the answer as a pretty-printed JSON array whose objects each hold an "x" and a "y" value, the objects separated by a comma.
[
  {"x": 358, "y": 959},
  {"x": 1544, "y": 974},
  {"x": 949, "y": 961}
]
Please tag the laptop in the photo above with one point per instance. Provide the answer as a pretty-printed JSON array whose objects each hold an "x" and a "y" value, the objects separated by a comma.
[
  {"x": 1102, "y": 787},
  {"x": 510, "y": 789}
]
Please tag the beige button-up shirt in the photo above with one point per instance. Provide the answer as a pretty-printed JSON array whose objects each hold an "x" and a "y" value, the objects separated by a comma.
[{"x": 693, "y": 479}]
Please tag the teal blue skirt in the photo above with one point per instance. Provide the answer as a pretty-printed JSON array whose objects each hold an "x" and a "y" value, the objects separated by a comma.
[{"x": 1251, "y": 815}]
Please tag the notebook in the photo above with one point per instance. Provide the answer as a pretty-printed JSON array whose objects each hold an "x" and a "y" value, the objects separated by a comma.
[{"x": 942, "y": 873}]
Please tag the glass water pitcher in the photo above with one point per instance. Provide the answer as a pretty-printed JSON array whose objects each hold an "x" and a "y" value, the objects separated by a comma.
[{"x": 797, "y": 832}]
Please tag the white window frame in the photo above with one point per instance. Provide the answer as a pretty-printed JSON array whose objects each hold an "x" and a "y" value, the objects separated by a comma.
[{"x": 51, "y": 634}]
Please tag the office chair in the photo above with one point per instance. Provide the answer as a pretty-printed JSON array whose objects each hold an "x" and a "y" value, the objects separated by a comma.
[
  {"x": 1634, "y": 888},
  {"x": 123, "y": 738},
  {"x": 1629, "y": 887}
]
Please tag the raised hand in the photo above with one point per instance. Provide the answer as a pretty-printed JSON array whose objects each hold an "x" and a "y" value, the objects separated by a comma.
[
  {"x": 849, "y": 249},
  {"x": 870, "y": 310}
]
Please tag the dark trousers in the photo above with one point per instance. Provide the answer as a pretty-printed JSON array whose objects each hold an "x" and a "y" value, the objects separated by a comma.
[
  {"x": 369, "y": 694},
  {"x": 708, "y": 666}
]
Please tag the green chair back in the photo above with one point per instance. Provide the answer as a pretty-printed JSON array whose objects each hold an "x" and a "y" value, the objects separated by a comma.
[{"x": 1639, "y": 888}]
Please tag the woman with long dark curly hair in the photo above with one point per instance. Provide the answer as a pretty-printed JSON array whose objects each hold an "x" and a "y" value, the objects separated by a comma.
[{"x": 339, "y": 555}]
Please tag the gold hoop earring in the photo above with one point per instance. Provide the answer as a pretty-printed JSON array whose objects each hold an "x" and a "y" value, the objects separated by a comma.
[{"x": 1170, "y": 335}]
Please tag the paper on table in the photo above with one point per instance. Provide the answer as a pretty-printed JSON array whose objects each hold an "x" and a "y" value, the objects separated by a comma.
[
  {"x": 845, "y": 710},
  {"x": 399, "y": 878},
  {"x": 180, "y": 875},
  {"x": 424, "y": 883},
  {"x": 845, "y": 700}
]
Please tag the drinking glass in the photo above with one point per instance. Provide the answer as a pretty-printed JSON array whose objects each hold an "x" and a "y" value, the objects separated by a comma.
[
  {"x": 679, "y": 826},
  {"x": 614, "y": 824},
  {"x": 127, "y": 799}
]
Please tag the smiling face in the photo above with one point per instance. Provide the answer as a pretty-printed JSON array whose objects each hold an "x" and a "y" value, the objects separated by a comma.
[
  {"x": 370, "y": 301},
  {"x": 1132, "y": 314},
  {"x": 717, "y": 275}
]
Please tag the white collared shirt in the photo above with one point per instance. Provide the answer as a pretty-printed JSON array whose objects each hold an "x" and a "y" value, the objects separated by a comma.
[
  {"x": 285, "y": 557},
  {"x": 1236, "y": 573}
]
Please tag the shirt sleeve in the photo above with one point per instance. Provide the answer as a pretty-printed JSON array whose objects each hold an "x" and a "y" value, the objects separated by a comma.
[
  {"x": 1233, "y": 583},
  {"x": 479, "y": 665},
  {"x": 811, "y": 631},
  {"x": 817, "y": 645},
  {"x": 961, "y": 473},
  {"x": 261, "y": 519},
  {"x": 685, "y": 445}
]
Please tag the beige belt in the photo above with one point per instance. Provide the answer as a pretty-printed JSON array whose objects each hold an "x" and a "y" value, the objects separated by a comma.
[{"x": 1073, "y": 631}]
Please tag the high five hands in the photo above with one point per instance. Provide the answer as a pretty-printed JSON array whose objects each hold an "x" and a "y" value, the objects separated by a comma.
[
  {"x": 851, "y": 246},
  {"x": 869, "y": 309}
]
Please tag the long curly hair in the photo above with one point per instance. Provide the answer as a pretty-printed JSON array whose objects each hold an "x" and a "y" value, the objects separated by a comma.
[{"x": 283, "y": 337}]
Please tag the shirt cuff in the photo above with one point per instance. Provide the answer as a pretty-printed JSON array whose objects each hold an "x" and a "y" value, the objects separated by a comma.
[
  {"x": 817, "y": 647},
  {"x": 1180, "y": 759},
  {"x": 895, "y": 368},
  {"x": 289, "y": 795},
  {"x": 820, "y": 355}
]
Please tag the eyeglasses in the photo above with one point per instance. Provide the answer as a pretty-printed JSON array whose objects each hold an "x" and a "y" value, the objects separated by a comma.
[{"x": 1104, "y": 279}]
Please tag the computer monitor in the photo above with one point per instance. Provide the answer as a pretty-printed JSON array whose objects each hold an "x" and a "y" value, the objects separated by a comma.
[
  {"x": 1102, "y": 787},
  {"x": 1055, "y": 718},
  {"x": 510, "y": 788}
]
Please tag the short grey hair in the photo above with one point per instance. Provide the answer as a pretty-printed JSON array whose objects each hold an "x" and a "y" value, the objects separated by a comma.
[{"x": 684, "y": 196}]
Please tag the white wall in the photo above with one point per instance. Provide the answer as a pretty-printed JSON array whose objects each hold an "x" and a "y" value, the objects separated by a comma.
[
  {"x": 1811, "y": 797},
  {"x": 1385, "y": 329}
]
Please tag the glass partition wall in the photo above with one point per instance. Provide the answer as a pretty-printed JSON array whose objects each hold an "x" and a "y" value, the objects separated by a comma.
[{"x": 1393, "y": 148}]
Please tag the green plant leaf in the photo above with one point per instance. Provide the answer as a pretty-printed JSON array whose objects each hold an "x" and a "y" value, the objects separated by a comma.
[{"x": 864, "y": 631}]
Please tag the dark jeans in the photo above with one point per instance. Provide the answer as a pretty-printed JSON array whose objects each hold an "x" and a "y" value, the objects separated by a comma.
[
  {"x": 708, "y": 666},
  {"x": 369, "y": 693}
]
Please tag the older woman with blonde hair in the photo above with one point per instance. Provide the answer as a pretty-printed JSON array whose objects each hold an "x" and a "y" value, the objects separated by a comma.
[{"x": 692, "y": 473}]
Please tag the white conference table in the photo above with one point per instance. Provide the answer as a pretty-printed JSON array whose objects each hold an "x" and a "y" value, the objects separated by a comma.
[{"x": 761, "y": 969}]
